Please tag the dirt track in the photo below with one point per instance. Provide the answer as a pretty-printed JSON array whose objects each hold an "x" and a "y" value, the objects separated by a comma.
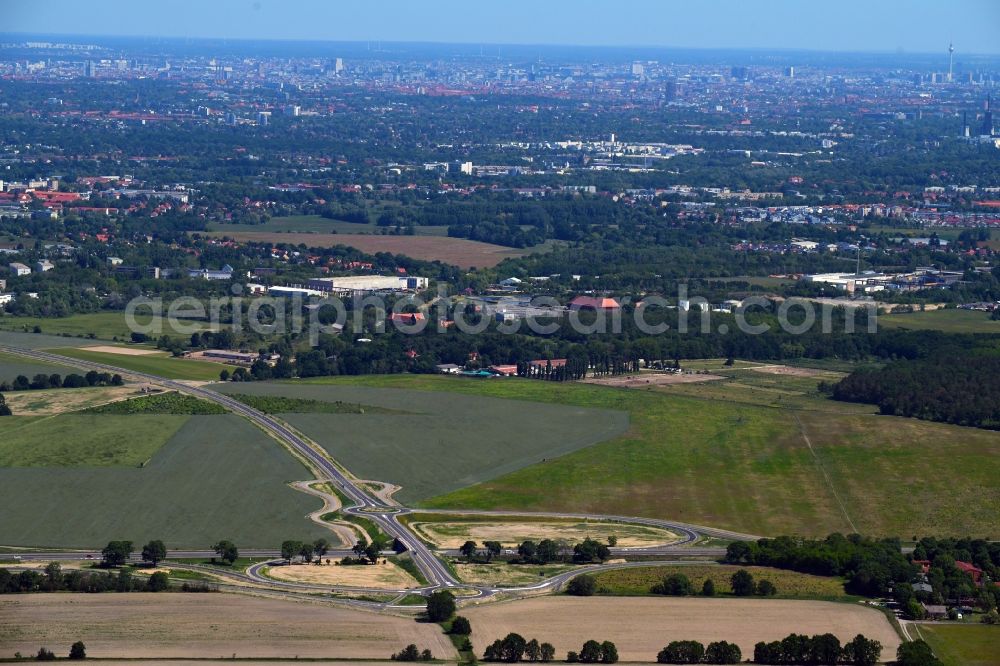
[
  {"x": 650, "y": 379},
  {"x": 177, "y": 625},
  {"x": 641, "y": 627}
]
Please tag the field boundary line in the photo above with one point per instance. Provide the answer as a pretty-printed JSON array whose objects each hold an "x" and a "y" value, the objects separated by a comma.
[{"x": 822, "y": 470}]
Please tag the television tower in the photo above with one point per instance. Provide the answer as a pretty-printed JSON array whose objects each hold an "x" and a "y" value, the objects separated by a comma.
[{"x": 951, "y": 59}]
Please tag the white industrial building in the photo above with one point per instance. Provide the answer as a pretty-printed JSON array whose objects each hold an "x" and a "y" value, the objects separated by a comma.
[{"x": 368, "y": 283}]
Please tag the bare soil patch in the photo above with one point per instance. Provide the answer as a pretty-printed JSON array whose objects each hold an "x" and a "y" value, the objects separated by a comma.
[
  {"x": 641, "y": 627},
  {"x": 650, "y": 379},
  {"x": 453, "y": 534},
  {"x": 177, "y": 625},
  {"x": 123, "y": 351},
  {"x": 61, "y": 401},
  {"x": 457, "y": 251},
  {"x": 789, "y": 371},
  {"x": 386, "y": 576}
]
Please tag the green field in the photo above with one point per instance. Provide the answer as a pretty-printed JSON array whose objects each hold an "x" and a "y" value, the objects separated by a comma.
[
  {"x": 790, "y": 584},
  {"x": 218, "y": 477},
  {"x": 84, "y": 440},
  {"x": 743, "y": 466},
  {"x": 41, "y": 340},
  {"x": 12, "y": 365},
  {"x": 161, "y": 364},
  {"x": 949, "y": 321},
  {"x": 319, "y": 224},
  {"x": 107, "y": 325},
  {"x": 963, "y": 645},
  {"x": 448, "y": 443}
]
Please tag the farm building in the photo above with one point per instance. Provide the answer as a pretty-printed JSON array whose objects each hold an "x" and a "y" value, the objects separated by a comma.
[{"x": 593, "y": 303}]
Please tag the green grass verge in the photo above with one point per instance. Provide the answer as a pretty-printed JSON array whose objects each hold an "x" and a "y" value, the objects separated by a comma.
[
  {"x": 637, "y": 581},
  {"x": 406, "y": 563},
  {"x": 105, "y": 325},
  {"x": 275, "y": 404},
  {"x": 84, "y": 440},
  {"x": 413, "y": 600},
  {"x": 161, "y": 364},
  {"x": 161, "y": 403},
  {"x": 963, "y": 645}
]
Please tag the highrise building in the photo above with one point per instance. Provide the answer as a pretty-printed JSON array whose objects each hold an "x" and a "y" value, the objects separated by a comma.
[
  {"x": 987, "y": 129},
  {"x": 671, "y": 92}
]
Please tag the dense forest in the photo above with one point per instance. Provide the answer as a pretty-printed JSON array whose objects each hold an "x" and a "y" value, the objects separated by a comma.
[{"x": 963, "y": 389}]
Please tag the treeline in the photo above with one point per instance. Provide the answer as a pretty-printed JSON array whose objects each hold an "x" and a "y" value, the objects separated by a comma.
[
  {"x": 41, "y": 381},
  {"x": 879, "y": 568},
  {"x": 821, "y": 649},
  {"x": 870, "y": 566},
  {"x": 959, "y": 389},
  {"x": 54, "y": 579}
]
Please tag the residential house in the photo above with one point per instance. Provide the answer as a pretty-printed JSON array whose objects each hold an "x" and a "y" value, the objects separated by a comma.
[{"x": 18, "y": 269}]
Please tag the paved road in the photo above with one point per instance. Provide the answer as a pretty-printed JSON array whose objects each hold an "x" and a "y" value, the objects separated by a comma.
[{"x": 385, "y": 516}]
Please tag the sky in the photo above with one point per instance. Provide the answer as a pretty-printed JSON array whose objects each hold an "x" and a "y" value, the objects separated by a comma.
[{"x": 912, "y": 26}]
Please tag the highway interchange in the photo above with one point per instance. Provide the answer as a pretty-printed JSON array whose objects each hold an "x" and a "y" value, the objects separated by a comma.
[{"x": 386, "y": 516}]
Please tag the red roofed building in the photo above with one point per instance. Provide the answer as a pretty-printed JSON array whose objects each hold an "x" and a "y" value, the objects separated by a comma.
[
  {"x": 408, "y": 318},
  {"x": 593, "y": 303},
  {"x": 972, "y": 570}
]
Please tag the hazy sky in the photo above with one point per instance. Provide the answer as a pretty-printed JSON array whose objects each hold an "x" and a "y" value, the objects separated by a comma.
[{"x": 829, "y": 25}]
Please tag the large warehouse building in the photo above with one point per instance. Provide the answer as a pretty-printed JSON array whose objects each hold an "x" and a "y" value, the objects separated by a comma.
[{"x": 368, "y": 283}]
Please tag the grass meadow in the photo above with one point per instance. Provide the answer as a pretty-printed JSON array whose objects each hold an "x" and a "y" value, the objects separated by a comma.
[
  {"x": 963, "y": 645},
  {"x": 809, "y": 468},
  {"x": 948, "y": 321},
  {"x": 637, "y": 581},
  {"x": 160, "y": 363}
]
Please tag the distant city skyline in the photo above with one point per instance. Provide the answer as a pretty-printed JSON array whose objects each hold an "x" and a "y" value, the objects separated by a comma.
[{"x": 914, "y": 26}]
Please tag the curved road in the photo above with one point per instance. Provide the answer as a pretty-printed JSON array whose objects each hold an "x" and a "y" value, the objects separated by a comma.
[{"x": 385, "y": 516}]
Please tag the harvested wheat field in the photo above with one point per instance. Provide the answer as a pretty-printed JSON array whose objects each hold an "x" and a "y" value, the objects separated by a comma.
[
  {"x": 124, "y": 351},
  {"x": 641, "y": 627},
  {"x": 457, "y": 251},
  {"x": 178, "y": 625},
  {"x": 448, "y": 534},
  {"x": 383, "y": 576}
]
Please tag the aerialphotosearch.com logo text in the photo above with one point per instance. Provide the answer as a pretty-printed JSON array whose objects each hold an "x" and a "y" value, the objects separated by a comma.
[{"x": 374, "y": 313}]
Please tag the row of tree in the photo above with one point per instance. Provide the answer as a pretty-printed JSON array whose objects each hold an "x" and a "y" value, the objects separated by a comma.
[
  {"x": 514, "y": 648},
  {"x": 741, "y": 583},
  {"x": 77, "y": 652},
  {"x": 693, "y": 652},
  {"x": 42, "y": 381},
  {"x": 305, "y": 550},
  {"x": 820, "y": 649},
  {"x": 54, "y": 579}
]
